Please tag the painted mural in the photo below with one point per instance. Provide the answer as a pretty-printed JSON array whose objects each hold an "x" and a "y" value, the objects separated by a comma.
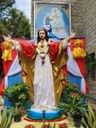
[{"x": 55, "y": 16}]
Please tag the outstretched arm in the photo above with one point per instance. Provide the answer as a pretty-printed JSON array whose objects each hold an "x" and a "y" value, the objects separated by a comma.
[
  {"x": 14, "y": 43},
  {"x": 66, "y": 42}
]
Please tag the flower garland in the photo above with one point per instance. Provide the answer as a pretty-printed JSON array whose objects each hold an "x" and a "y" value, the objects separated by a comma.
[
  {"x": 39, "y": 121},
  {"x": 63, "y": 125},
  {"x": 42, "y": 49}
]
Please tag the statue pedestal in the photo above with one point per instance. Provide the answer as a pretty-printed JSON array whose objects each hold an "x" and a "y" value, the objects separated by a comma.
[{"x": 35, "y": 113}]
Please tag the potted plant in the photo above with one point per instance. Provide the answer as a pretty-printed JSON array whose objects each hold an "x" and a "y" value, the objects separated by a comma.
[
  {"x": 5, "y": 119},
  {"x": 17, "y": 113},
  {"x": 18, "y": 96},
  {"x": 72, "y": 102},
  {"x": 89, "y": 121}
]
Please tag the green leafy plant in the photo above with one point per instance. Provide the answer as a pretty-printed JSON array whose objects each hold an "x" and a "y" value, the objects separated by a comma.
[
  {"x": 5, "y": 119},
  {"x": 16, "y": 110},
  {"x": 17, "y": 94},
  {"x": 72, "y": 100},
  {"x": 89, "y": 121}
]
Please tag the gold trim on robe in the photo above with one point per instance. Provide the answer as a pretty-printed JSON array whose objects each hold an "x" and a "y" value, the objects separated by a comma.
[{"x": 58, "y": 73}]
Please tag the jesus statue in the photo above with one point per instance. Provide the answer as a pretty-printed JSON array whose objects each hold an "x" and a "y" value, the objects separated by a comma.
[{"x": 43, "y": 65}]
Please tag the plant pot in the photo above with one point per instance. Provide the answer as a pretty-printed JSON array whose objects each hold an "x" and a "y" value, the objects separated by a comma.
[
  {"x": 77, "y": 122},
  {"x": 17, "y": 118}
]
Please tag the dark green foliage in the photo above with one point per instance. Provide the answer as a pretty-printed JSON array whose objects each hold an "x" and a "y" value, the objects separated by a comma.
[
  {"x": 13, "y": 21},
  {"x": 89, "y": 121},
  {"x": 18, "y": 94},
  {"x": 72, "y": 100},
  {"x": 4, "y": 5},
  {"x": 15, "y": 24},
  {"x": 70, "y": 91}
]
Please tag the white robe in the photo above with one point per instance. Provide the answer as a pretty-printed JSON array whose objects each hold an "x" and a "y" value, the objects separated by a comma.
[{"x": 43, "y": 84}]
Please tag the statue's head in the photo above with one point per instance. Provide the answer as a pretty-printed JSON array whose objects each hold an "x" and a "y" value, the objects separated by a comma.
[{"x": 42, "y": 34}]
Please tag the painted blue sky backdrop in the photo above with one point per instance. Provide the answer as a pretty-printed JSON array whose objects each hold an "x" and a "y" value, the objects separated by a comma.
[{"x": 57, "y": 19}]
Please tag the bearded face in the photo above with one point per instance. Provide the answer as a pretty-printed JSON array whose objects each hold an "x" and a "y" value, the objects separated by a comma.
[{"x": 42, "y": 34}]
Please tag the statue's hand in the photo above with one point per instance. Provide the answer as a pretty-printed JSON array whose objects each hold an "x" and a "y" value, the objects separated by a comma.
[
  {"x": 6, "y": 38},
  {"x": 72, "y": 35},
  {"x": 13, "y": 42}
]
